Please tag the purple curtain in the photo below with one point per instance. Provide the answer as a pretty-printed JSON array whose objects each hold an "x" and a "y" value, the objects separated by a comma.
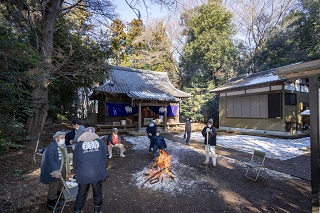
[
  {"x": 171, "y": 110},
  {"x": 120, "y": 109}
]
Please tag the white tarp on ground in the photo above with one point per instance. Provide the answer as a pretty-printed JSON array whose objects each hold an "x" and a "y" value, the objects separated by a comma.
[
  {"x": 305, "y": 112},
  {"x": 275, "y": 148},
  {"x": 282, "y": 149}
]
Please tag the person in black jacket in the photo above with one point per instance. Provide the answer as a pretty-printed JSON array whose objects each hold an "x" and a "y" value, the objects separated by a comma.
[
  {"x": 151, "y": 131},
  {"x": 158, "y": 143},
  {"x": 210, "y": 140},
  {"x": 89, "y": 163},
  {"x": 188, "y": 130}
]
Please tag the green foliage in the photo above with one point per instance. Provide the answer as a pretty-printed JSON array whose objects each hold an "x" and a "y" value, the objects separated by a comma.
[
  {"x": 134, "y": 30},
  {"x": 209, "y": 50},
  {"x": 309, "y": 32},
  {"x": 17, "y": 61},
  {"x": 141, "y": 47},
  {"x": 207, "y": 59},
  {"x": 202, "y": 106},
  {"x": 118, "y": 39}
]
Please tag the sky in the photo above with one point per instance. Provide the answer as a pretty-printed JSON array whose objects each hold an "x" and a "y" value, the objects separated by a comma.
[{"x": 126, "y": 14}]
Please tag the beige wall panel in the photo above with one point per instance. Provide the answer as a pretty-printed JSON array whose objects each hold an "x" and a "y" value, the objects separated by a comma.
[
  {"x": 222, "y": 108},
  {"x": 276, "y": 87},
  {"x": 240, "y": 92},
  {"x": 263, "y": 106},
  {"x": 257, "y": 90},
  {"x": 237, "y": 107},
  {"x": 245, "y": 107},
  {"x": 255, "y": 106},
  {"x": 272, "y": 124},
  {"x": 230, "y": 107}
]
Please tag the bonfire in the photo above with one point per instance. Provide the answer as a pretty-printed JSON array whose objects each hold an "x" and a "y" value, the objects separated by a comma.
[{"x": 161, "y": 169}]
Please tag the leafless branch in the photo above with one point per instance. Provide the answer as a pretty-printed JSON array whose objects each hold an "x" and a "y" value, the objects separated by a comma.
[{"x": 134, "y": 9}]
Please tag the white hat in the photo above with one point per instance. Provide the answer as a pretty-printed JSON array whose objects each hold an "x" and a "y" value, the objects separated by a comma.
[
  {"x": 57, "y": 134},
  {"x": 90, "y": 129}
]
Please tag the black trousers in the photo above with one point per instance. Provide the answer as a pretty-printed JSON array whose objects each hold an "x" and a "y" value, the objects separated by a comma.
[
  {"x": 188, "y": 134},
  {"x": 83, "y": 192}
]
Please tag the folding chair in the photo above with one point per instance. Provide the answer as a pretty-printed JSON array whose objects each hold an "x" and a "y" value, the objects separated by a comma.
[
  {"x": 69, "y": 194},
  {"x": 115, "y": 151},
  {"x": 256, "y": 164}
]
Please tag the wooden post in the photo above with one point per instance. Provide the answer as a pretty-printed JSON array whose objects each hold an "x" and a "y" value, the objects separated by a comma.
[
  {"x": 314, "y": 139},
  {"x": 139, "y": 116},
  {"x": 165, "y": 116},
  {"x": 105, "y": 108}
]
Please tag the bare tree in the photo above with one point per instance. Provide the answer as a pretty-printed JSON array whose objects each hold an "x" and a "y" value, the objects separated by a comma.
[{"x": 259, "y": 20}]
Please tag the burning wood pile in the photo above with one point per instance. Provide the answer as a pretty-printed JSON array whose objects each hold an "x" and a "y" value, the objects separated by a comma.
[{"x": 160, "y": 170}]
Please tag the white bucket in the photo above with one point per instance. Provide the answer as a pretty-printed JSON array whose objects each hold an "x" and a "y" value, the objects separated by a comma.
[{"x": 123, "y": 122}]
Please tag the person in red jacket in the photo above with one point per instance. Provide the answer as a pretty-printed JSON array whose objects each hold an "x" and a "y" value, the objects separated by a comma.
[{"x": 114, "y": 140}]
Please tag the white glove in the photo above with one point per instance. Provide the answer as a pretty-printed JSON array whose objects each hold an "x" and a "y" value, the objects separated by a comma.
[
  {"x": 55, "y": 174},
  {"x": 208, "y": 130}
]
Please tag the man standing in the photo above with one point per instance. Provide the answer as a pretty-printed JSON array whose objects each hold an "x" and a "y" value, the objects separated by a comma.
[
  {"x": 114, "y": 140},
  {"x": 209, "y": 133},
  {"x": 89, "y": 163},
  {"x": 54, "y": 164},
  {"x": 151, "y": 131},
  {"x": 79, "y": 130},
  {"x": 188, "y": 130}
]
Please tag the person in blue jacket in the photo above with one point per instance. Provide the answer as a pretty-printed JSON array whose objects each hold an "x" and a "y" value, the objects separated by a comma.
[
  {"x": 89, "y": 163},
  {"x": 78, "y": 131},
  {"x": 54, "y": 164},
  {"x": 158, "y": 143},
  {"x": 151, "y": 131}
]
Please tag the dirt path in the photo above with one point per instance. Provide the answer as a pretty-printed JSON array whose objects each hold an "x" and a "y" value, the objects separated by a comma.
[{"x": 220, "y": 189}]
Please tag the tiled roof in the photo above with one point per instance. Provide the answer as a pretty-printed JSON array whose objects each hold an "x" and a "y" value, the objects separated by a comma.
[
  {"x": 250, "y": 80},
  {"x": 141, "y": 84}
]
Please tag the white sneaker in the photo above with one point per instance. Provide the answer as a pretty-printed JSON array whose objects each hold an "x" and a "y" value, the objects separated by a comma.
[
  {"x": 110, "y": 156},
  {"x": 206, "y": 162},
  {"x": 122, "y": 155}
]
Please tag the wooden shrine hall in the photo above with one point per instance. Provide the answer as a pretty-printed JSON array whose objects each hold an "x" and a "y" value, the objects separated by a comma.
[{"x": 131, "y": 98}]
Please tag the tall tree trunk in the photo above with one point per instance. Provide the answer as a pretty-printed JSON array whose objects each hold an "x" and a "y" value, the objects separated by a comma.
[{"x": 38, "y": 118}]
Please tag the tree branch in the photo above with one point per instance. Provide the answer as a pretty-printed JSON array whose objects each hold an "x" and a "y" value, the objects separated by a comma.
[{"x": 135, "y": 10}]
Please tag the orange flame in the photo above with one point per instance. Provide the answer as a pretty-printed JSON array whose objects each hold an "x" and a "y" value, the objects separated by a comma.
[
  {"x": 163, "y": 162},
  {"x": 160, "y": 168}
]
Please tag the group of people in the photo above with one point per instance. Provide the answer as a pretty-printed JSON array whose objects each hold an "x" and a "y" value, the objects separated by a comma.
[
  {"x": 89, "y": 160},
  {"x": 209, "y": 133}
]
